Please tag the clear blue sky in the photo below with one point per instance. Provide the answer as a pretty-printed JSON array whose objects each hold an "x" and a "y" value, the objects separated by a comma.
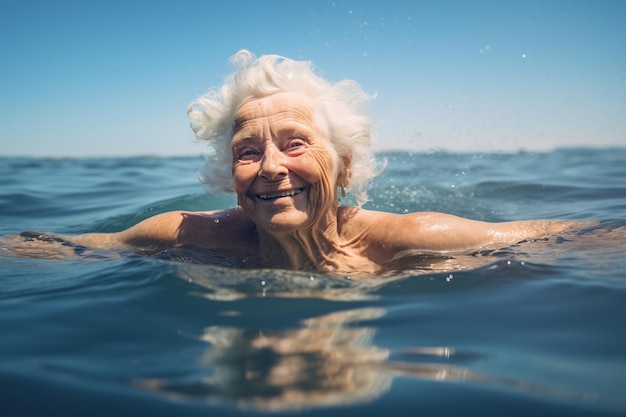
[{"x": 82, "y": 78}]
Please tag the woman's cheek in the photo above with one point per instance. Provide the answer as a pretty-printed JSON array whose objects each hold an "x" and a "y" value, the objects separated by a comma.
[
  {"x": 322, "y": 196},
  {"x": 242, "y": 185},
  {"x": 318, "y": 165}
]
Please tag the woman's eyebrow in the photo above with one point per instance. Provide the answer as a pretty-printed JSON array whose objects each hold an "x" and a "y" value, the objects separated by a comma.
[
  {"x": 293, "y": 126},
  {"x": 240, "y": 139},
  {"x": 238, "y": 123}
]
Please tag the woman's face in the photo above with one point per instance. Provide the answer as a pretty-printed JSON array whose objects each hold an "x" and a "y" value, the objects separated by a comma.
[{"x": 284, "y": 169}]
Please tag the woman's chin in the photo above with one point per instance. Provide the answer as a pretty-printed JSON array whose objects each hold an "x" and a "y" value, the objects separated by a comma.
[{"x": 281, "y": 223}]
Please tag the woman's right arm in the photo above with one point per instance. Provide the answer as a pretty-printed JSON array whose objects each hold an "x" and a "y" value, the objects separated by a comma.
[
  {"x": 155, "y": 233},
  {"x": 229, "y": 228}
]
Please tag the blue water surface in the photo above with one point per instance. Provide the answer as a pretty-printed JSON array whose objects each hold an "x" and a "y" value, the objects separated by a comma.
[{"x": 537, "y": 328}]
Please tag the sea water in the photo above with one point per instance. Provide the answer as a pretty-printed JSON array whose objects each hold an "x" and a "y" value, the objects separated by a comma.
[{"x": 535, "y": 329}]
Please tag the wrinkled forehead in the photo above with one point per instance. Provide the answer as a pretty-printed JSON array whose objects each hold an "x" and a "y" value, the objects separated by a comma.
[{"x": 278, "y": 107}]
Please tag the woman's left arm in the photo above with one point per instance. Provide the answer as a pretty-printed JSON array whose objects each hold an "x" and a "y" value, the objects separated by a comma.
[{"x": 438, "y": 232}]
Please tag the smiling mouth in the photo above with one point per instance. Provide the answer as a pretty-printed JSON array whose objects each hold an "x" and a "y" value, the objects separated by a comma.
[{"x": 273, "y": 196}]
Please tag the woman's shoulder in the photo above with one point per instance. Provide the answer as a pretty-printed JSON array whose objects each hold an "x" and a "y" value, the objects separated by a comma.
[
  {"x": 216, "y": 228},
  {"x": 369, "y": 223},
  {"x": 394, "y": 231},
  {"x": 351, "y": 213}
]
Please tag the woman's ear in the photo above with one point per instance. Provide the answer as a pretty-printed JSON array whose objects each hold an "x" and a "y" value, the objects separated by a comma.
[{"x": 345, "y": 171}]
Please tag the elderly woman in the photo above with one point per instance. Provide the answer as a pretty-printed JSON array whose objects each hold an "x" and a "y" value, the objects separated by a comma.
[{"x": 289, "y": 143}]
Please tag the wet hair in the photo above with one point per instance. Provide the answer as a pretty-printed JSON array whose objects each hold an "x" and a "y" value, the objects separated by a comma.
[{"x": 342, "y": 107}]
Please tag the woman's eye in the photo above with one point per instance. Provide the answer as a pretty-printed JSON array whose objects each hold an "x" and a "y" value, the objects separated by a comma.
[
  {"x": 248, "y": 154},
  {"x": 295, "y": 144}
]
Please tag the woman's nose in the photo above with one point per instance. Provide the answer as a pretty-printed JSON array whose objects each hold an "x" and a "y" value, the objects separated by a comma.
[{"x": 272, "y": 163}]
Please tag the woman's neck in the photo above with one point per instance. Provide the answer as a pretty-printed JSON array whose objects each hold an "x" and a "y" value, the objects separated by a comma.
[{"x": 318, "y": 247}]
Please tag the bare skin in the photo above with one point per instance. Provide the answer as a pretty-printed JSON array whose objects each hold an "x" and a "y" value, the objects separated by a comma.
[{"x": 286, "y": 175}]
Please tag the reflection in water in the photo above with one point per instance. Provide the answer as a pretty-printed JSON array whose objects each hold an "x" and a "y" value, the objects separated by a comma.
[
  {"x": 330, "y": 360},
  {"x": 325, "y": 362}
]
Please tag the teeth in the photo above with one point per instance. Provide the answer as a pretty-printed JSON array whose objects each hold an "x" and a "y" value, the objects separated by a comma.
[{"x": 280, "y": 194}]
